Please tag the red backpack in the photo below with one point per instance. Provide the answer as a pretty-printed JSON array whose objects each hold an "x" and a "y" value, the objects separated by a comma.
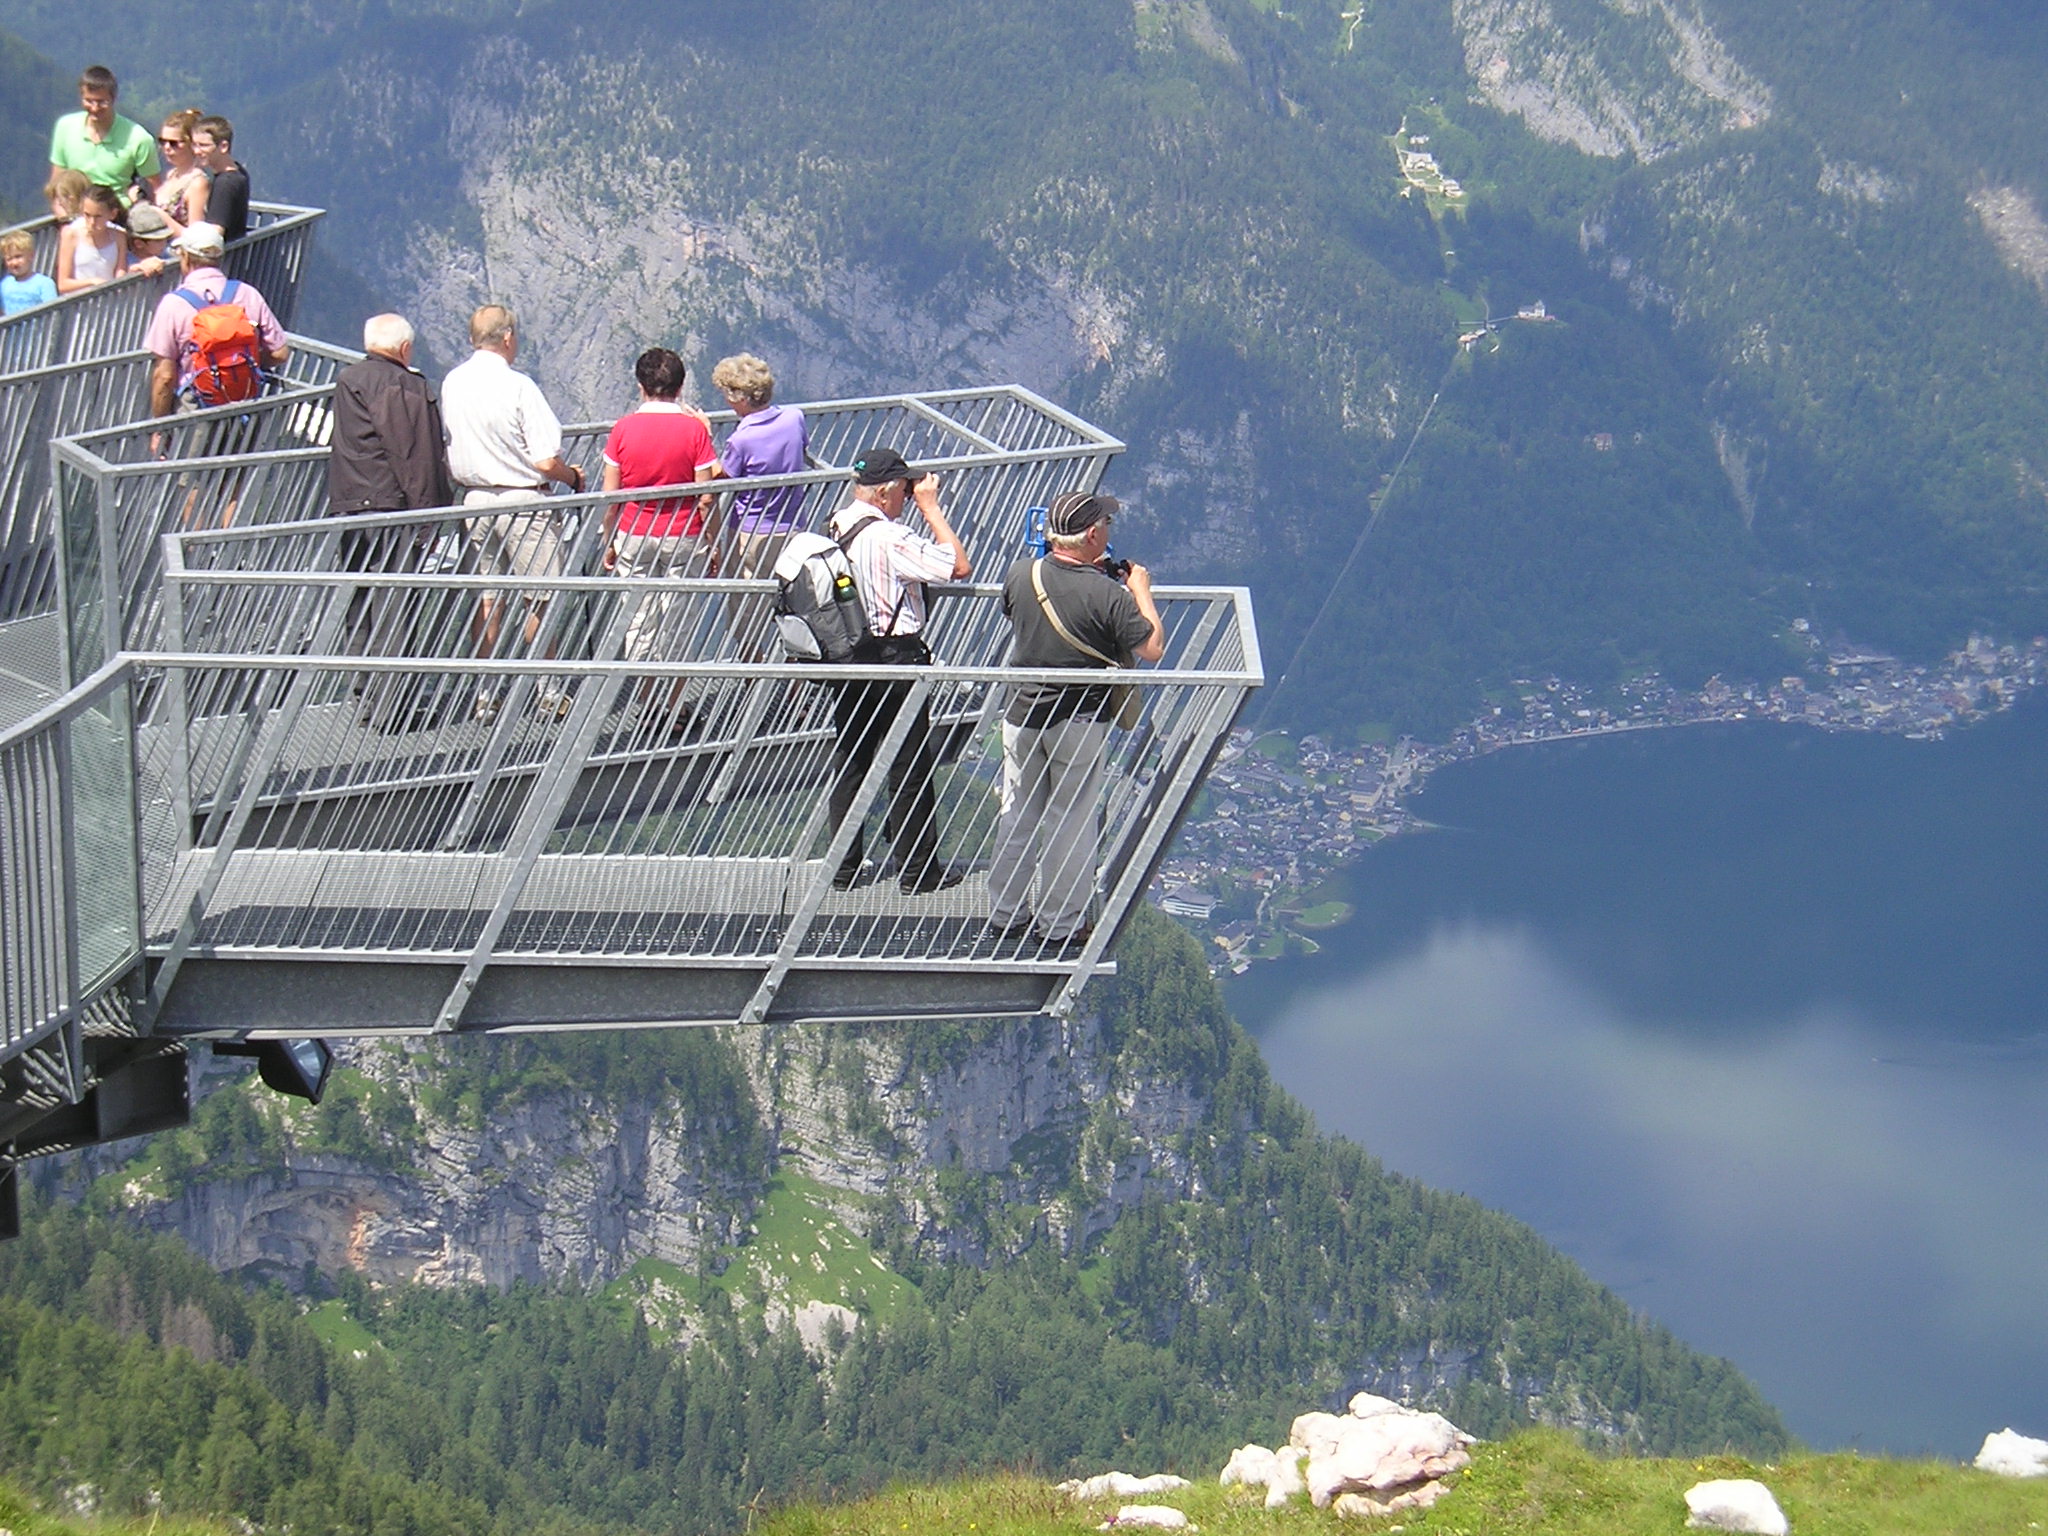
[{"x": 223, "y": 349}]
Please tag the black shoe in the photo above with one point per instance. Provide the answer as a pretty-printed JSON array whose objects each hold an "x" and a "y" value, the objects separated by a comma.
[
  {"x": 1012, "y": 938},
  {"x": 1068, "y": 948},
  {"x": 851, "y": 879},
  {"x": 935, "y": 876}
]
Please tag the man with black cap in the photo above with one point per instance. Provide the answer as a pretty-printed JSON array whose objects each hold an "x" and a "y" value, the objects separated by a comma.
[
  {"x": 1067, "y": 610},
  {"x": 891, "y": 566}
]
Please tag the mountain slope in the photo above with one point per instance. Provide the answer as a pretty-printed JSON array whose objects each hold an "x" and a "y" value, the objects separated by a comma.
[{"x": 1814, "y": 230}]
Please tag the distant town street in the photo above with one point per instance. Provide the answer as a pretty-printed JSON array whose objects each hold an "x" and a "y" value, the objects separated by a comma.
[{"x": 1281, "y": 815}]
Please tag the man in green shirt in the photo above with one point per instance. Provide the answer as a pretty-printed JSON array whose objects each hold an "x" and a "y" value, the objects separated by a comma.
[{"x": 100, "y": 144}]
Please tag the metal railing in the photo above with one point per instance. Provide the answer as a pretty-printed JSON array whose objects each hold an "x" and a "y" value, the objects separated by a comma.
[
  {"x": 588, "y": 809},
  {"x": 70, "y": 905},
  {"x": 42, "y": 404},
  {"x": 380, "y": 789},
  {"x": 104, "y": 321},
  {"x": 1000, "y": 451}
]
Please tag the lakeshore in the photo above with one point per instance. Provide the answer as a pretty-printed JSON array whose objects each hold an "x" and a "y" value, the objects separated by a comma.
[{"x": 1280, "y": 816}]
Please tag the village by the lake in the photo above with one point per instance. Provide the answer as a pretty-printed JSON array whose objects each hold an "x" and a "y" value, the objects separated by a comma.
[{"x": 1281, "y": 813}]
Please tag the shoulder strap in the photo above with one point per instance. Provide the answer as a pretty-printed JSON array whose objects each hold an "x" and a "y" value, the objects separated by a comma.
[
  {"x": 1052, "y": 617},
  {"x": 227, "y": 294},
  {"x": 845, "y": 540},
  {"x": 190, "y": 297},
  {"x": 845, "y": 543}
]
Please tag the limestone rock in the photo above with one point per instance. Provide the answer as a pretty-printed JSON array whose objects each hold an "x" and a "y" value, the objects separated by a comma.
[
  {"x": 2011, "y": 1454},
  {"x": 1387, "y": 1454},
  {"x": 1735, "y": 1504},
  {"x": 1365, "y": 1506},
  {"x": 1120, "y": 1485},
  {"x": 1278, "y": 1472},
  {"x": 1163, "y": 1516},
  {"x": 1366, "y": 1405}
]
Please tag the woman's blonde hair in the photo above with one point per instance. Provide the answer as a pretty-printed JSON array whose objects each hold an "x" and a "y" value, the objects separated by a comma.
[
  {"x": 746, "y": 376},
  {"x": 185, "y": 119}
]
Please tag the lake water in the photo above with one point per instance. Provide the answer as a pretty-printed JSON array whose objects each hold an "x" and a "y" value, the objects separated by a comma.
[{"x": 1752, "y": 1021}]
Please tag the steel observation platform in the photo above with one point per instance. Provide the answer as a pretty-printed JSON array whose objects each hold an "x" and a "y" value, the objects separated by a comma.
[{"x": 255, "y": 790}]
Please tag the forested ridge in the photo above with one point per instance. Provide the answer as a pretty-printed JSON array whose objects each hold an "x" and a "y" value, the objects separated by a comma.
[
  {"x": 1813, "y": 327},
  {"x": 1303, "y": 1271}
]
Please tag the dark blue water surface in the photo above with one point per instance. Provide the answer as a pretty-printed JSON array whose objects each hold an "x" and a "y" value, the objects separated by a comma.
[{"x": 1752, "y": 1021}]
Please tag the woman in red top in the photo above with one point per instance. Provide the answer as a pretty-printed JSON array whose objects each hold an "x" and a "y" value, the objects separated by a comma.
[{"x": 661, "y": 443}]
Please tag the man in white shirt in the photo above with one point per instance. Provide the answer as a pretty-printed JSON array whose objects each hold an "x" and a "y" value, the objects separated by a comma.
[
  {"x": 891, "y": 566},
  {"x": 504, "y": 451}
]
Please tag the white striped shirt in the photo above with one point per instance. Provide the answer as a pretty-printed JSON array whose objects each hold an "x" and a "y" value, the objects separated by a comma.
[{"x": 890, "y": 566}]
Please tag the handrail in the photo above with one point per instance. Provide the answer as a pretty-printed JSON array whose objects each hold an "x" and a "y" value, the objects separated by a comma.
[
  {"x": 70, "y": 902},
  {"x": 65, "y": 399},
  {"x": 97, "y": 322},
  {"x": 604, "y": 799},
  {"x": 262, "y": 471}
]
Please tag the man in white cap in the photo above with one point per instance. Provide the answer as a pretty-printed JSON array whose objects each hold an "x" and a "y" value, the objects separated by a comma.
[
  {"x": 188, "y": 367},
  {"x": 1071, "y": 609}
]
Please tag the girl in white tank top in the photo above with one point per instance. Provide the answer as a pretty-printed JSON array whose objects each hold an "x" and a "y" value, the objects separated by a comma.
[{"x": 92, "y": 249}]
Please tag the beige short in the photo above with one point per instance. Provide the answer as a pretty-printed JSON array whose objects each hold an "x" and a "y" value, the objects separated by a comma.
[{"x": 515, "y": 543}]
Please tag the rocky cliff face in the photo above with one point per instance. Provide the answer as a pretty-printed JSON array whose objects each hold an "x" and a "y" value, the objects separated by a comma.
[
  {"x": 1609, "y": 77},
  {"x": 561, "y": 1182}
]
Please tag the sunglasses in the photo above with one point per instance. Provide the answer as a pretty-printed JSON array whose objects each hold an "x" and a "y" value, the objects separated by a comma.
[{"x": 167, "y": 143}]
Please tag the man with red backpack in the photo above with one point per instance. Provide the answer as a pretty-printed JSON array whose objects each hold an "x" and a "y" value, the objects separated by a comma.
[{"x": 213, "y": 338}]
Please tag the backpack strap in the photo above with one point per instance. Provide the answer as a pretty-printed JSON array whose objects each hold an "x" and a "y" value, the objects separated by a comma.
[
  {"x": 197, "y": 301},
  {"x": 845, "y": 543}
]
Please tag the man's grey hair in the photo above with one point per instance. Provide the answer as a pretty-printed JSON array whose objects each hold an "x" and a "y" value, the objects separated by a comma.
[
  {"x": 1069, "y": 541},
  {"x": 388, "y": 334},
  {"x": 490, "y": 325}
]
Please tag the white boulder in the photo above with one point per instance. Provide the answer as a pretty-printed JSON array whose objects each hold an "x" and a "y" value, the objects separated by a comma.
[
  {"x": 1389, "y": 1453},
  {"x": 1249, "y": 1464},
  {"x": 1278, "y": 1472},
  {"x": 1365, "y": 1506},
  {"x": 1120, "y": 1485},
  {"x": 1316, "y": 1433},
  {"x": 2010, "y": 1454},
  {"x": 1162, "y": 1516},
  {"x": 1286, "y": 1480},
  {"x": 1366, "y": 1404},
  {"x": 1735, "y": 1504}
]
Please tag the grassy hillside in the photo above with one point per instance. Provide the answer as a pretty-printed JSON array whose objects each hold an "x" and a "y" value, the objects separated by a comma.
[{"x": 1535, "y": 1484}]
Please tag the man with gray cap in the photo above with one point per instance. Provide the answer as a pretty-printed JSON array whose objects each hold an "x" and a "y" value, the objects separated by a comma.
[
  {"x": 891, "y": 566},
  {"x": 1071, "y": 609}
]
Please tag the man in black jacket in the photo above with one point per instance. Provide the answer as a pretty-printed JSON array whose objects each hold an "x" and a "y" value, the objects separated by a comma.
[{"x": 389, "y": 454}]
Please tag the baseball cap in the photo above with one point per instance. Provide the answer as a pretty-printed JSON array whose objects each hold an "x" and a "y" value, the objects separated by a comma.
[
  {"x": 202, "y": 240},
  {"x": 146, "y": 221},
  {"x": 879, "y": 466},
  {"x": 1075, "y": 512}
]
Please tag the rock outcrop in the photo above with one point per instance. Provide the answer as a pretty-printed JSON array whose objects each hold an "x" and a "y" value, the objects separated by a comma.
[
  {"x": 2011, "y": 1454},
  {"x": 1735, "y": 1504}
]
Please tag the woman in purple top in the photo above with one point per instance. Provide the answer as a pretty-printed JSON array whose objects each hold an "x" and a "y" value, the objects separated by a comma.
[{"x": 768, "y": 439}]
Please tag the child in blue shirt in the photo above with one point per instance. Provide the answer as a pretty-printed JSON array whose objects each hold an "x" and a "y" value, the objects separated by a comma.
[{"x": 23, "y": 287}]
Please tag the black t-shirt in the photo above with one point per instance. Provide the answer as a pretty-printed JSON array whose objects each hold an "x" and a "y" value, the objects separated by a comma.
[
  {"x": 228, "y": 203},
  {"x": 1096, "y": 608}
]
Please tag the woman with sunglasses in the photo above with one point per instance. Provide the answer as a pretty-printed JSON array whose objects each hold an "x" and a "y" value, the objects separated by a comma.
[{"x": 182, "y": 195}]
